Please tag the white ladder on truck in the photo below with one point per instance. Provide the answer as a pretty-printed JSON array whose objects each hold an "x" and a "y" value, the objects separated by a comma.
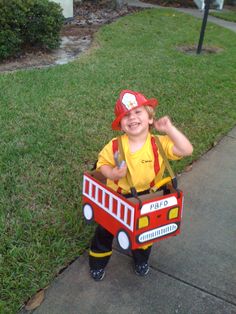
[{"x": 88, "y": 190}]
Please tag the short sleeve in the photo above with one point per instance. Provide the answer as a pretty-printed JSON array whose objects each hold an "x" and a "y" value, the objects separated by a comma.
[{"x": 105, "y": 157}]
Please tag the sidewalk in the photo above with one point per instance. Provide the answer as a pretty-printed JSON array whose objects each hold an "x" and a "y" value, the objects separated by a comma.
[
  {"x": 195, "y": 12},
  {"x": 194, "y": 272}
]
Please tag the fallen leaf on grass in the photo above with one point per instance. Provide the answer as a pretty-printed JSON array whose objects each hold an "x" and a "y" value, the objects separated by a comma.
[
  {"x": 188, "y": 168},
  {"x": 35, "y": 301}
]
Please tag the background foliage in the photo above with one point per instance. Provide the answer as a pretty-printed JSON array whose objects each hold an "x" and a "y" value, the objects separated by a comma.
[{"x": 33, "y": 23}]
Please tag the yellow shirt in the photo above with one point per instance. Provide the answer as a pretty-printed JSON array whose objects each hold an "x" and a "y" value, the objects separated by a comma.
[{"x": 140, "y": 163}]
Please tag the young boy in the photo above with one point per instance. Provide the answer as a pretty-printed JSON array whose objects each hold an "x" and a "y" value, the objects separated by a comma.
[{"x": 134, "y": 116}]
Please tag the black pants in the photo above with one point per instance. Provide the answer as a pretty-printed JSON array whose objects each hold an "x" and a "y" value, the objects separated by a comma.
[{"x": 101, "y": 250}]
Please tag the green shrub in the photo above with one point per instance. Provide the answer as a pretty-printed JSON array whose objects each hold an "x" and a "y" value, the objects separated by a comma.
[
  {"x": 29, "y": 23},
  {"x": 12, "y": 18},
  {"x": 9, "y": 43},
  {"x": 44, "y": 22}
]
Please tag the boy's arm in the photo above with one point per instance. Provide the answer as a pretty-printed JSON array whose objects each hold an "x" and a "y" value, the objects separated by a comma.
[
  {"x": 113, "y": 173},
  {"x": 182, "y": 146},
  {"x": 106, "y": 164}
]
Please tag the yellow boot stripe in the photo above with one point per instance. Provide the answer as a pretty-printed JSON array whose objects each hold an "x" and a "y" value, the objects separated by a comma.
[
  {"x": 91, "y": 253},
  {"x": 145, "y": 247}
]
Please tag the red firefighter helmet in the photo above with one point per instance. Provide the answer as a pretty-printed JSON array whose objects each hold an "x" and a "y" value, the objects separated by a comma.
[{"x": 127, "y": 101}]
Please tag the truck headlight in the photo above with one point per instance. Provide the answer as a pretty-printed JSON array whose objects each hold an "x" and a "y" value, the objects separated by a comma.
[
  {"x": 143, "y": 222},
  {"x": 173, "y": 213}
]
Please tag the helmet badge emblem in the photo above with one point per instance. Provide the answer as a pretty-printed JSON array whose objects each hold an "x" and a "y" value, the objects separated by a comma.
[{"x": 129, "y": 101}]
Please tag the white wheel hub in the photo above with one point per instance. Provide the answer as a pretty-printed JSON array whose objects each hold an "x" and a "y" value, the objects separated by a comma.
[
  {"x": 123, "y": 240},
  {"x": 88, "y": 212}
]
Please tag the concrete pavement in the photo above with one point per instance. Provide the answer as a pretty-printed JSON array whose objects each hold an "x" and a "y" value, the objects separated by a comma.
[{"x": 194, "y": 272}]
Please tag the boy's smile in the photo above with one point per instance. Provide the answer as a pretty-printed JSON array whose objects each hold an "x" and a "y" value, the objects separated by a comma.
[{"x": 136, "y": 122}]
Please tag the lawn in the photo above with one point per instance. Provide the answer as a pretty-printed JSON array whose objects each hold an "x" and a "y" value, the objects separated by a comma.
[{"x": 54, "y": 121}]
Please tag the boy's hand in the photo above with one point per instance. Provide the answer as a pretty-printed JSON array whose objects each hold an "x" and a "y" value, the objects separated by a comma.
[
  {"x": 119, "y": 172},
  {"x": 114, "y": 173},
  {"x": 182, "y": 146},
  {"x": 163, "y": 124}
]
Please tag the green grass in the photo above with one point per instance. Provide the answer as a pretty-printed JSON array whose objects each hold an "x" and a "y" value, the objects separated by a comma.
[
  {"x": 54, "y": 121},
  {"x": 225, "y": 15}
]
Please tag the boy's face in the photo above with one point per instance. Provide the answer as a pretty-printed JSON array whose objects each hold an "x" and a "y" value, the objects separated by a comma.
[{"x": 136, "y": 122}]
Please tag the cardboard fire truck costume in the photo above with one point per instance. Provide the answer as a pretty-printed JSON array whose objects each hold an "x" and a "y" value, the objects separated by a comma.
[{"x": 139, "y": 220}]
